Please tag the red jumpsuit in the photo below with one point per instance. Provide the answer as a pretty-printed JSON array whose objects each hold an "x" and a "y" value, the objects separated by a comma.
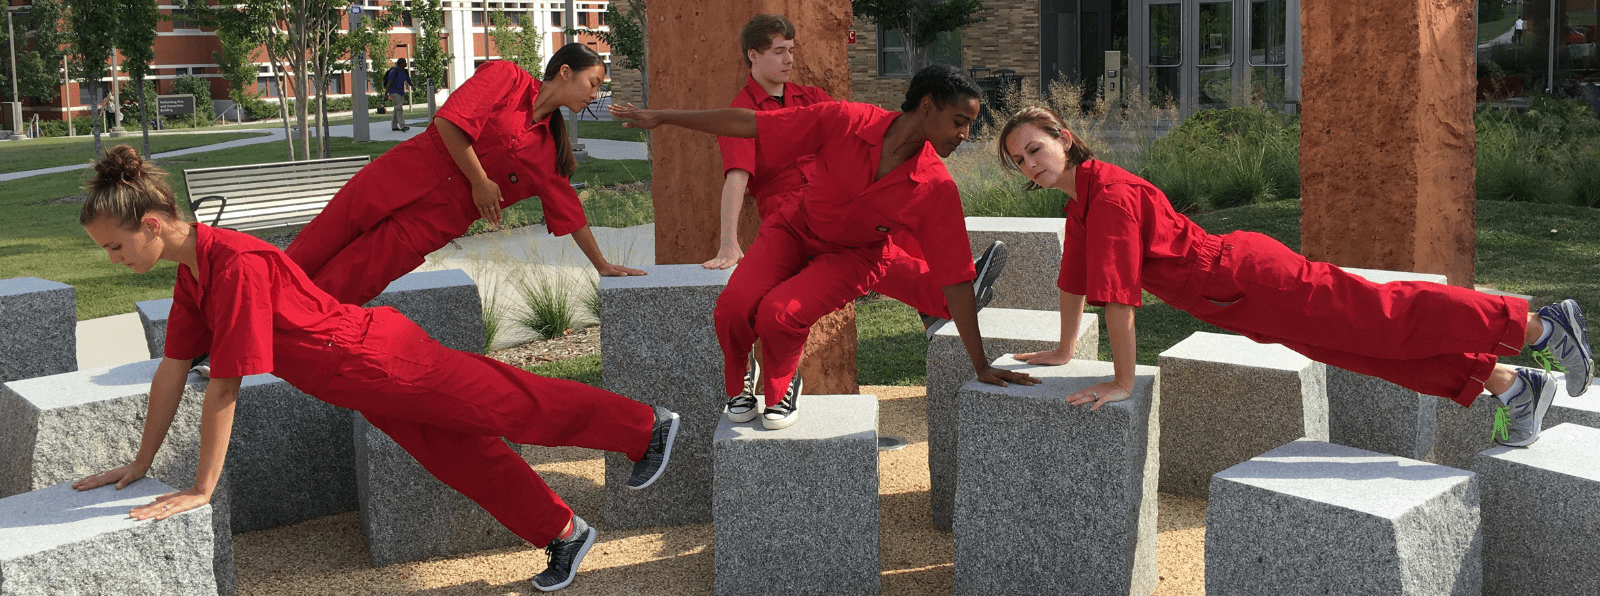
[
  {"x": 773, "y": 186},
  {"x": 414, "y": 199},
  {"x": 1122, "y": 235},
  {"x": 903, "y": 236},
  {"x": 256, "y": 312}
]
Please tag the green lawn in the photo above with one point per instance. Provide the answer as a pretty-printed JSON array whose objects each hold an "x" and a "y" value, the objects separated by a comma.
[
  {"x": 34, "y": 154},
  {"x": 1493, "y": 29},
  {"x": 610, "y": 130}
]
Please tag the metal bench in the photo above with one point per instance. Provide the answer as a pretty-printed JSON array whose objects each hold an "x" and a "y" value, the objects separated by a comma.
[{"x": 270, "y": 195}]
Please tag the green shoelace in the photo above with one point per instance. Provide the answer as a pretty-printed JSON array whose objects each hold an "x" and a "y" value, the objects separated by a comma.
[{"x": 1502, "y": 414}]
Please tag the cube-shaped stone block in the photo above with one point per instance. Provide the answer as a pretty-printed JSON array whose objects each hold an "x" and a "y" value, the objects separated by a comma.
[
  {"x": 444, "y": 303},
  {"x": 58, "y": 540},
  {"x": 1376, "y": 415},
  {"x": 660, "y": 348},
  {"x": 1541, "y": 514},
  {"x": 824, "y": 471},
  {"x": 1005, "y": 331},
  {"x": 38, "y": 328},
  {"x": 1054, "y": 498},
  {"x": 407, "y": 514},
  {"x": 1464, "y": 432},
  {"x": 291, "y": 459},
  {"x": 1583, "y": 410},
  {"x": 1316, "y": 518},
  {"x": 1229, "y": 399},
  {"x": 1033, "y": 246},
  {"x": 62, "y": 428}
]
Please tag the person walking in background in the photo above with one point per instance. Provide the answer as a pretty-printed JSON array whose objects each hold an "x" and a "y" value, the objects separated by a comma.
[
  {"x": 395, "y": 82},
  {"x": 1516, "y": 31}
]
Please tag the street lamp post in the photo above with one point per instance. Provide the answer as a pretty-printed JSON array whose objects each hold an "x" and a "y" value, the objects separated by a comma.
[{"x": 358, "y": 80}]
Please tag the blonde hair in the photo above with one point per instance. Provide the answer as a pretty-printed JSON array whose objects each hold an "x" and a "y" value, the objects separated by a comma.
[
  {"x": 1050, "y": 123},
  {"x": 125, "y": 188}
]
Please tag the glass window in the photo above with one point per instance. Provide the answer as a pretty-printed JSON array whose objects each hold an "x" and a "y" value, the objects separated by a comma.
[
  {"x": 267, "y": 86},
  {"x": 1216, "y": 53},
  {"x": 555, "y": 18},
  {"x": 1166, "y": 50},
  {"x": 477, "y": 18},
  {"x": 405, "y": 19},
  {"x": 898, "y": 57},
  {"x": 583, "y": 19},
  {"x": 1269, "y": 57},
  {"x": 184, "y": 19}
]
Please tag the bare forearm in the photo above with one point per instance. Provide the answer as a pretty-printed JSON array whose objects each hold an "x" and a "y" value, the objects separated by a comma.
[
  {"x": 584, "y": 238},
  {"x": 732, "y": 204},
  {"x": 1071, "y": 318},
  {"x": 964, "y": 313},
  {"x": 1119, "y": 326},
  {"x": 724, "y": 122},
  {"x": 166, "y": 392},
  {"x": 460, "y": 147},
  {"x": 216, "y": 426}
]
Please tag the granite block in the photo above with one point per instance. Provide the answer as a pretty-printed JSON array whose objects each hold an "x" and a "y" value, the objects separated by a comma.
[
  {"x": 38, "y": 328},
  {"x": 1316, "y": 518},
  {"x": 1541, "y": 514},
  {"x": 444, "y": 303},
  {"x": 1005, "y": 331},
  {"x": 292, "y": 457},
  {"x": 660, "y": 347},
  {"x": 824, "y": 470},
  {"x": 1464, "y": 432},
  {"x": 58, "y": 540},
  {"x": 153, "y": 316},
  {"x": 1033, "y": 260},
  {"x": 1229, "y": 399},
  {"x": 1053, "y": 498},
  {"x": 1583, "y": 410},
  {"x": 62, "y": 428},
  {"x": 407, "y": 514},
  {"x": 1376, "y": 415}
]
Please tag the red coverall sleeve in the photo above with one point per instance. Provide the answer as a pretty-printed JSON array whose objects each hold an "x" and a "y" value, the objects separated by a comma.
[
  {"x": 241, "y": 318},
  {"x": 188, "y": 335},
  {"x": 737, "y": 153},
  {"x": 563, "y": 212},
  {"x": 942, "y": 236},
  {"x": 471, "y": 106},
  {"x": 1113, "y": 246},
  {"x": 792, "y": 133}
]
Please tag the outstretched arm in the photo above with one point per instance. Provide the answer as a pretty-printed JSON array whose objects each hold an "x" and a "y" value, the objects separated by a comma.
[
  {"x": 1119, "y": 327},
  {"x": 727, "y": 122},
  {"x": 584, "y": 237},
  {"x": 964, "y": 313},
  {"x": 1071, "y": 315},
  {"x": 166, "y": 391}
]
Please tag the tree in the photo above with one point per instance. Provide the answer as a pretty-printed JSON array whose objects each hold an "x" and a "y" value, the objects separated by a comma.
[
  {"x": 921, "y": 21},
  {"x": 519, "y": 45},
  {"x": 94, "y": 24},
  {"x": 430, "y": 60},
  {"x": 627, "y": 38},
  {"x": 136, "y": 39},
  {"x": 38, "y": 71}
]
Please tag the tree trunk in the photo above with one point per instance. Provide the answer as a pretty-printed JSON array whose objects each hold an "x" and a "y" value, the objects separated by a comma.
[
  {"x": 283, "y": 109},
  {"x": 144, "y": 116}
]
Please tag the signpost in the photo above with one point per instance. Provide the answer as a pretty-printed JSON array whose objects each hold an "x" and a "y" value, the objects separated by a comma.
[
  {"x": 173, "y": 105},
  {"x": 359, "y": 81}
]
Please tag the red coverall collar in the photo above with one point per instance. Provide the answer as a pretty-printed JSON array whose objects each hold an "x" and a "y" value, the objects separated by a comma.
[
  {"x": 1088, "y": 173},
  {"x": 758, "y": 94},
  {"x": 921, "y": 164}
]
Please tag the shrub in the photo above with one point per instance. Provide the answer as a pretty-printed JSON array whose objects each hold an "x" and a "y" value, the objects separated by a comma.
[
  {"x": 547, "y": 309},
  {"x": 200, "y": 88},
  {"x": 58, "y": 128}
]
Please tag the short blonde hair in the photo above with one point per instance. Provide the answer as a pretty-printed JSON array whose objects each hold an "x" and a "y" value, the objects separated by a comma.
[{"x": 1050, "y": 123}]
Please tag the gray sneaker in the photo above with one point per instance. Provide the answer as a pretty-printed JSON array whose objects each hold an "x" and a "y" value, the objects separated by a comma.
[
  {"x": 989, "y": 267},
  {"x": 1568, "y": 344},
  {"x": 565, "y": 556},
  {"x": 1517, "y": 422}
]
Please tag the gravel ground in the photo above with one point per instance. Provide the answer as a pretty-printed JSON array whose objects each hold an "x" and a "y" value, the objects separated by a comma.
[{"x": 328, "y": 556}]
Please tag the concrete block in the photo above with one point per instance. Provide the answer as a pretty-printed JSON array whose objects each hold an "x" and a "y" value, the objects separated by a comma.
[
  {"x": 62, "y": 428},
  {"x": 1316, "y": 518},
  {"x": 1541, "y": 514},
  {"x": 292, "y": 457},
  {"x": 1005, "y": 331},
  {"x": 660, "y": 348},
  {"x": 1376, "y": 415},
  {"x": 1464, "y": 432},
  {"x": 58, "y": 540},
  {"x": 824, "y": 470},
  {"x": 407, "y": 514},
  {"x": 1034, "y": 259},
  {"x": 38, "y": 328},
  {"x": 444, "y": 303},
  {"x": 1583, "y": 410},
  {"x": 153, "y": 316},
  {"x": 1229, "y": 399},
  {"x": 1054, "y": 498}
]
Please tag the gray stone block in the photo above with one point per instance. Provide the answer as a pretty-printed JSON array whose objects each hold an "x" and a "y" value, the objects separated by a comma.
[
  {"x": 1005, "y": 331},
  {"x": 38, "y": 328},
  {"x": 1541, "y": 514},
  {"x": 62, "y": 428},
  {"x": 1054, "y": 498},
  {"x": 660, "y": 348},
  {"x": 1463, "y": 433},
  {"x": 58, "y": 540},
  {"x": 153, "y": 316},
  {"x": 292, "y": 457},
  {"x": 1376, "y": 415},
  {"x": 444, "y": 303},
  {"x": 824, "y": 471},
  {"x": 1583, "y": 410},
  {"x": 1317, "y": 518},
  {"x": 1229, "y": 399},
  {"x": 1034, "y": 259},
  {"x": 407, "y": 514}
]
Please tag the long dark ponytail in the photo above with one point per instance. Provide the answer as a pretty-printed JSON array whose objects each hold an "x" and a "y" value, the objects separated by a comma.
[{"x": 578, "y": 57}]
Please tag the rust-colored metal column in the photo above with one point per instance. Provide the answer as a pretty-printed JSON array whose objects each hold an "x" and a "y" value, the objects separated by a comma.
[
  {"x": 1387, "y": 142},
  {"x": 695, "y": 63}
]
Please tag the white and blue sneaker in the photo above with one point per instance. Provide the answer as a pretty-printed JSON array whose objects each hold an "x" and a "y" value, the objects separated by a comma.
[
  {"x": 1520, "y": 416},
  {"x": 1566, "y": 344}
]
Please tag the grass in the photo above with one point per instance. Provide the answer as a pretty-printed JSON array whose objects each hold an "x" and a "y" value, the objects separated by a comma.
[
  {"x": 44, "y": 240},
  {"x": 546, "y": 307},
  {"x": 1493, "y": 29},
  {"x": 583, "y": 369},
  {"x": 51, "y": 152},
  {"x": 610, "y": 130},
  {"x": 614, "y": 198}
]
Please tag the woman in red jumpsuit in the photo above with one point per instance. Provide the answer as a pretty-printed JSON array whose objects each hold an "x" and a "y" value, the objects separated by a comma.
[
  {"x": 880, "y": 212},
  {"x": 246, "y": 303},
  {"x": 1123, "y": 236},
  {"x": 499, "y": 139}
]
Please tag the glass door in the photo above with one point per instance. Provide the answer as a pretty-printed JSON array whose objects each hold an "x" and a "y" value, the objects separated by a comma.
[{"x": 1214, "y": 79}]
